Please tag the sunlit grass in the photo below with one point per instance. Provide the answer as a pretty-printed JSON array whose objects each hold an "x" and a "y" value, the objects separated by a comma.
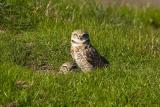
[{"x": 129, "y": 38}]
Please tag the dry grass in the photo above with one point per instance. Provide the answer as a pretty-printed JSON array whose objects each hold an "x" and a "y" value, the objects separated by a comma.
[{"x": 139, "y": 3}]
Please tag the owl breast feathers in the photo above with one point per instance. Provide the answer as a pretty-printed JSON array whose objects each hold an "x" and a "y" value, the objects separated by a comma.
[{"x": 87, "y": 58}]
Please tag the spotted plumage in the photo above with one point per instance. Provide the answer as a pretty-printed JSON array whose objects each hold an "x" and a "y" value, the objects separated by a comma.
[{"x": 84, "y": 54}]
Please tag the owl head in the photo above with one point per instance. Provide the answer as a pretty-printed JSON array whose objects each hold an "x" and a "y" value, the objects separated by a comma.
[
  {"x": 68, "y": 67},
  {"x": 79, "y": 37}
]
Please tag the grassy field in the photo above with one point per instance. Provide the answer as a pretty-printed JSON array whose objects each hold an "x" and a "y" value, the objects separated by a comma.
[{"x": 35, "y": 41}]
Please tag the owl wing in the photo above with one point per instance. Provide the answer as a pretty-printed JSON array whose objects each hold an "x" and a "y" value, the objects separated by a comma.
[
  {"x": 104, "y": 60},
  {"x": 95, "y": 58}
]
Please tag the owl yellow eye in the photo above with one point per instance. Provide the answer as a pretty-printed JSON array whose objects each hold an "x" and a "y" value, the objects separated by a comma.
[
  {"x": 85, "y": 35},
  {"x": 75, "y": 34}
]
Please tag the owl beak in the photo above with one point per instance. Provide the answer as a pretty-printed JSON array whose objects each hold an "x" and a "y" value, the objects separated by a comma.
[{"x": 81, "y": 38}]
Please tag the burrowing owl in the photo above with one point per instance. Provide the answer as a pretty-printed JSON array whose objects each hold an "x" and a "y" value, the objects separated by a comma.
[
  {"x": 68, "y": 67},
  {"x": 84, "y": 54}
]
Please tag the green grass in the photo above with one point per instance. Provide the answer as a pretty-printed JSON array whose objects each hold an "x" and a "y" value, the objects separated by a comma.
[{"x": 128, "y": 37}]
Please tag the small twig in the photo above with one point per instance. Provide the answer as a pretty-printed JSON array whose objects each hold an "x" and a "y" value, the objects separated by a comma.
[{"x": 47, "y": 8}]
